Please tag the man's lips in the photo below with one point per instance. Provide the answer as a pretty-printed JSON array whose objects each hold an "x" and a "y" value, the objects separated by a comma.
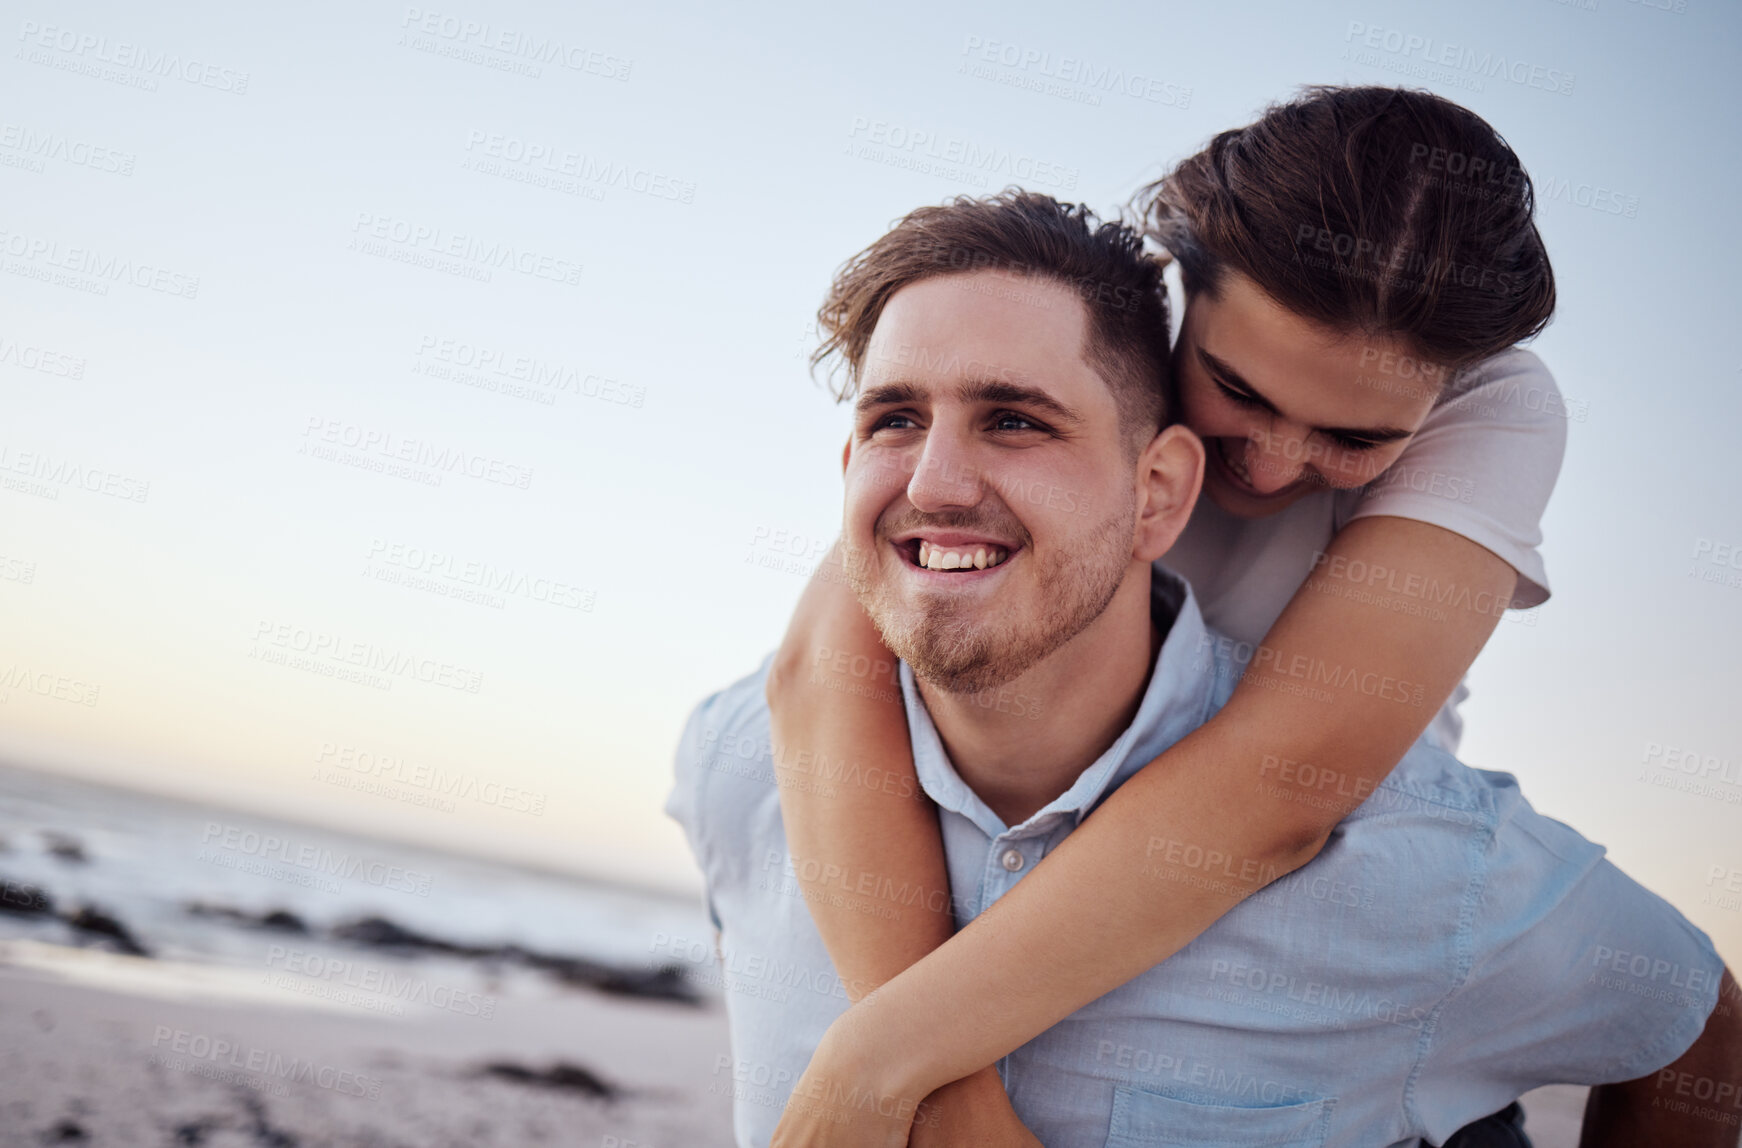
[{"x": 953, "y": 551}]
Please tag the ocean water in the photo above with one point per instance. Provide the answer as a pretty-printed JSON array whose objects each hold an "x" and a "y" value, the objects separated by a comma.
[{"x": 146, "y": 858}]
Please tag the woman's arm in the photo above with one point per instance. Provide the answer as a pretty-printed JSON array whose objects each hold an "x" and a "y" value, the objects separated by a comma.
[
  {"x": 1111, "y": 902},
  {"x": 851, "y": 802},
  {"x": 849, "y": 798}
]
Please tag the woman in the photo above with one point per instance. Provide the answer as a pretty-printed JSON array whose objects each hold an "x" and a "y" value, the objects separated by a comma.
[{"x": 1358, "y": 266}]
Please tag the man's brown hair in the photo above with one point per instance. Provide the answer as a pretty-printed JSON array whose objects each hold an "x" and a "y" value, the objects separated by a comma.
[
  {"x": 1029, "y": 237},
  {"x": 1371, "y": 210}
]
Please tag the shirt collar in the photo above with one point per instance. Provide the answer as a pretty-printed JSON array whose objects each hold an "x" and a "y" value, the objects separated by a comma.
[{"x": 1175, "y": 702}]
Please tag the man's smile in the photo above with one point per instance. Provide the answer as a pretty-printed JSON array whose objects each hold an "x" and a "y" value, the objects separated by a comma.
[
  {"x": 979, "y": 558},
  {"x": 954, "y": 553}
]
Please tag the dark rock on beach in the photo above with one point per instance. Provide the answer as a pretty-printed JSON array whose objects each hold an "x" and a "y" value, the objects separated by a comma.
[
  {"x": 64, "y": 846},
  {"x": 561, "y": 1075},
  {"x": 30, "y": 901},
  {"x": 92, "y": 920},
  {"x": 283, "y": 921},
  {"x": 264, "y": 1132},
  {"x": 193, "y": 1133},
  {"x": 379, "y": 932},
  {"x": 665, "y": 982},
  {"x": 280, "y": 920}
]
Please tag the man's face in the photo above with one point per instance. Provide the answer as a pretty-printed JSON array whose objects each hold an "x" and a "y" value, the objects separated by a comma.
[
  {"x": 1286, "y": 407},
  {"x": 990, "y": 497}
]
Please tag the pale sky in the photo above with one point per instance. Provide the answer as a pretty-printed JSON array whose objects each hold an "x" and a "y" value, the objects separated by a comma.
[{"x": 248, "y": 250}]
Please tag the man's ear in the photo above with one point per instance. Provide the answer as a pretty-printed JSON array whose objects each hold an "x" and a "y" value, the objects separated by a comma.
[
  {"x": 846, "y": 454},
  {"x": 1169, "y": 473}
]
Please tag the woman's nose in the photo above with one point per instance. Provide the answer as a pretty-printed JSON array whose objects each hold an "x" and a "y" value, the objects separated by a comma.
[{"x": 1274, "y": 459}]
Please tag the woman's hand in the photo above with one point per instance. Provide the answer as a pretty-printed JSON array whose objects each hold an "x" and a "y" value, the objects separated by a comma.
[
  {"x": 841, "y": 1102},
  {"x": 973, "y": 1112},
  {"x": 835, "y": 1106}
]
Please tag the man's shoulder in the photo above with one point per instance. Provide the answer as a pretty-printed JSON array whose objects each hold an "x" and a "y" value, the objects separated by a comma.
[
  {"x": 1478, "y": 819},
  {"x": 1223, "y": 658},
  {"x": 725, "y": 759},
  {"x": 1485, "y": 805},
  {"x": 1589, "y": 976},
  {"x": 1443, "y": 827},
  {"x": 739, "y": 707}
]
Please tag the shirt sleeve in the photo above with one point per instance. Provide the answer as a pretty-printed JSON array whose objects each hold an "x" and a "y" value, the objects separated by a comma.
[
  {"x": 727, "y": 731},
  {"x": 1578, "y": 975},
  {"x": 685, "y": 803},
  {"x": 682, "y": 803},
  {"x": 1484, "y": 464}
]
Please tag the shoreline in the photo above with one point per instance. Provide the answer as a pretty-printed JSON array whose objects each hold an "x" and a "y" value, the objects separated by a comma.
[{"x": 438, "y": 845}]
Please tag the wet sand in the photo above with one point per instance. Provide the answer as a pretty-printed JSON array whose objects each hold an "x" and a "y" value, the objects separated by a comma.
[{"x": 133, "y": 1055}]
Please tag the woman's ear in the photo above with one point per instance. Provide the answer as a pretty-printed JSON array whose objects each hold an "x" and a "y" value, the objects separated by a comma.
[{"x": 1170, "y": 471}]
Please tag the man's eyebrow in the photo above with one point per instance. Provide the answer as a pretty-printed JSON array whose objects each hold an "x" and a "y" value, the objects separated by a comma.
[
  {"x": 1229, "y": 375},
  {"x": 984, "y": 390},
  {"x": 974, "y": 390},
  {"x": 888, "y": 394}
]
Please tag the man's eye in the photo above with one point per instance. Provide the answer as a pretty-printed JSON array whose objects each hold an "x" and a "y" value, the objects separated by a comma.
[
  {"x": 894, "y": 422},
  {"x": 1011, "y": 421}
]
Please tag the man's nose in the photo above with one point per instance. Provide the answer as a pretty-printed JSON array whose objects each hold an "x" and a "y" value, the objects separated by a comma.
[{"x": 944, "y": 475}]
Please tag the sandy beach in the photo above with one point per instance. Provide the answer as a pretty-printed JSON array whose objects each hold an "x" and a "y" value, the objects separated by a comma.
[{"x": 103, "y": 1049}]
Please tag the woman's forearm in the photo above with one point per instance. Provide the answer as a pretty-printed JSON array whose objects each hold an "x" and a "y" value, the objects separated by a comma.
[
  {"x": 863, "y": 836},
  {"x": 865, "y": 843}
]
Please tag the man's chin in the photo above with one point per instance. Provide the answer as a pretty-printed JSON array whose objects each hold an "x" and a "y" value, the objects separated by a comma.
[
  {"x": 947, "y": 650},
  {"x": 957, "y": 672},
  {"x": 919, "y": 612}
]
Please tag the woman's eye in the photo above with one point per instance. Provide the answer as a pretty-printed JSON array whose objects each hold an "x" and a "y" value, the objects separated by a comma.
[
  {"x": 1356, "y": 444},
  {"x": 1240, "y": 397}
]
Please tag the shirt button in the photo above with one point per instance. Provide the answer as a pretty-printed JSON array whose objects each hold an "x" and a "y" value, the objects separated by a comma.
[{"x": 1012, "y": 859}]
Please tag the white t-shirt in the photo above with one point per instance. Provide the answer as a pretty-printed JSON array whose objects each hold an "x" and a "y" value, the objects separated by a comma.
[{"x": 1482, "y": 465}]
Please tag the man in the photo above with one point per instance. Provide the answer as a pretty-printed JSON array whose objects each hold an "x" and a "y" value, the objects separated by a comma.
[{"x": 1008, "y": 488}]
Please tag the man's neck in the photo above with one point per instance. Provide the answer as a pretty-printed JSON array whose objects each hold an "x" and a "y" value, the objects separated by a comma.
[{"x": 1020, "y": 745}]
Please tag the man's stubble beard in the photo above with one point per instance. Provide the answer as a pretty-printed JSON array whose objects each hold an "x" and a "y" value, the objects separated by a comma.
[{"x": 961, "y": 655}]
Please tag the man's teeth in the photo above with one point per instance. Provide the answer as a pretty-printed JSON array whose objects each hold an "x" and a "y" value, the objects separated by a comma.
[{"x": 937, "y": 558}]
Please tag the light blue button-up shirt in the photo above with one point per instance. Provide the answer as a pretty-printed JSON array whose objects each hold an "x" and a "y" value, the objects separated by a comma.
[{"x": 1450, "y": 948}]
